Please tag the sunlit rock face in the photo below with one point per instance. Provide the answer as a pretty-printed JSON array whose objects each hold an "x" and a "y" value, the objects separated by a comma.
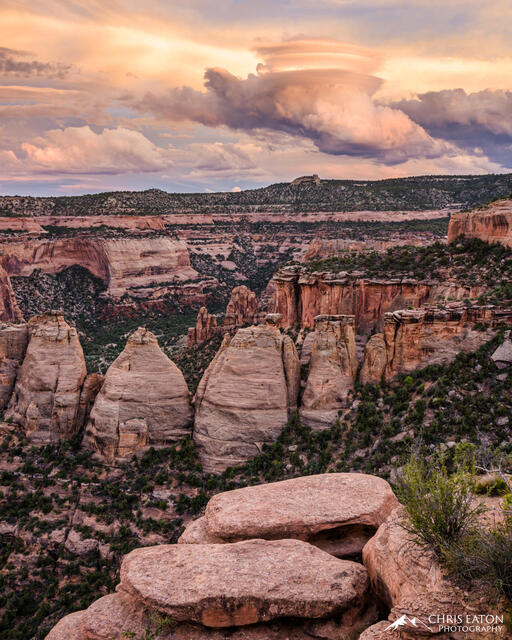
[
  {"x": 13, "y": 344},
  {"x": 46, "y": 397},
  {"x": 246, "y": 394},
  {"x": 144, "y": 401},
  {"x": 490, "y": 223}
]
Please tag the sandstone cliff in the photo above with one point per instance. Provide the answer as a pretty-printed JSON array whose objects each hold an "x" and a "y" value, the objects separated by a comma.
[
  {"x": 13, "y": 344},
  {"x": 332, "y": 371},
  {"x": 144, "y": 401},
  {"x": 46, "y": 396},
  {"x": 124, "y": 264},
  {"x": 299, "y": 296},
  {"x": 418, "y": 337},
  {"x": 490, "y": 223},
  {"x": 245, "y": 395}
]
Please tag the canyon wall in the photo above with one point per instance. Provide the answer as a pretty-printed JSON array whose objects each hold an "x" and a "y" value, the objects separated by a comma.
[
  {"x": 123, "y": 264},
  {"x": 491, "y": 223},
  {"x": 299, "y": 296},
  {"x": 418, "y": 337},
  {"x": 9, "y": 310}
]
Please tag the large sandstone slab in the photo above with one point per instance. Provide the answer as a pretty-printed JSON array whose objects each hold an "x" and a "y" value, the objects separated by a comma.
[
  {"x": 245, "y": 396},
  {"x": 144, "y": 401},
  {"x": 243, "y": 583},
  {"x": 336, "y": 511}
]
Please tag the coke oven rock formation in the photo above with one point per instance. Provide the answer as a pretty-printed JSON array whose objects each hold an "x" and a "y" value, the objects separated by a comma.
[
  {"x": 144, "y": 401},
  {"x": 490, "y": 223},
  {"x": 299, "y": 296},
  {"x": 418, "y": 337},
  {"x": 46, "y": 397},
  {"x": 332, "y": 371},
  {"x": 245, "y": 395},
  {"x": 13, "y": 344},
  {"x": 337, "y": 512}
]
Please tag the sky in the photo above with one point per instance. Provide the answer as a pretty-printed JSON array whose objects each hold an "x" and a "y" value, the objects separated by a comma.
[{"x": 194, "y": 95}]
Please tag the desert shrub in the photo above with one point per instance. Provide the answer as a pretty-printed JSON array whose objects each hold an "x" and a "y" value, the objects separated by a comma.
[{"x": 440, "y": 505}]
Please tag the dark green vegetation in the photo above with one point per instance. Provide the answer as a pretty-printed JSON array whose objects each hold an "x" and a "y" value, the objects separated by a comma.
[
  {"x": 422, "y": 192},
  {"x": 48, "y": 491},
  {"x": 445, "y": 517},
  {"x": 469, "y": 261}
]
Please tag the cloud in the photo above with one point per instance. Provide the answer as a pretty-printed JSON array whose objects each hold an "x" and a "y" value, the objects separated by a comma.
[
  {"x": 81, "y": 150},
  {"x": 13, "y": 63},
  {"x": 480, "y": 120},
  {"x": 333, "y": 107},
  {"x": 218, "y": 156}
]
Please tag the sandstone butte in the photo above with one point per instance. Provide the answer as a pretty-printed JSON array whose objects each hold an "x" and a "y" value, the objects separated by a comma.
[
  {"x": 490, "y": 223},
  {"x": 46, "y": 396},
  {"x": 338, "y": 512},
  {"x": 415, "y": 338},
  {"x": 245, "y": 395},
  {"x": 300, "y": 296},
  {"x": 284, "y": 589},
  {"x": 332, "y": 371},
  {"x": 9, "y": 310},
  {"x": 144, "y": 401},
  {"x": 13, "y": 344}
]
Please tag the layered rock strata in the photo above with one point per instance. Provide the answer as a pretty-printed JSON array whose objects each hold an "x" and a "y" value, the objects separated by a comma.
[
  {"x": 46, "y": 397},
  {"x": 299, "y": 296},
  {"x": 245, "y": 395},
  {"x": 419, "y": 337},
  {"x": 337, "y": 512},
  {"x": 332, "y": 371},
  {"x": 144, "y": 401},
  {"x": 491, "y": 223},
  {"x": 13, "y": 344}
]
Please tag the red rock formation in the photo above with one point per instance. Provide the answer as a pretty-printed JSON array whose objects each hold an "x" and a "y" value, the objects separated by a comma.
[
  {"x": 46, "y": 395},
  {"x": 300, "y": 296},
  {"x": 241, "y": 308},
  {"x": 124, "y": 264},
  {"x": 492, "y": 223},
  {"x": 332, "y": 371},
  {"x": 206, "y": 327},
  {"x": 418, "y": 337}
]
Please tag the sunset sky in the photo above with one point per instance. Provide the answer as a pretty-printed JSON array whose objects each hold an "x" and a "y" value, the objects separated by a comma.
[{"x": 197, "y": 95}]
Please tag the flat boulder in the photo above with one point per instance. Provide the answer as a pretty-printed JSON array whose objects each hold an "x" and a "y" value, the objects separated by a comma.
[
  {"x": 338, "y": 512},
  {"x": 242, "y": 583}
]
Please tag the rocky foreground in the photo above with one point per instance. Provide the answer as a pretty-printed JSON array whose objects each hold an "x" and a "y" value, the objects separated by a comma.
[{"x": 276, "y": 562}]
